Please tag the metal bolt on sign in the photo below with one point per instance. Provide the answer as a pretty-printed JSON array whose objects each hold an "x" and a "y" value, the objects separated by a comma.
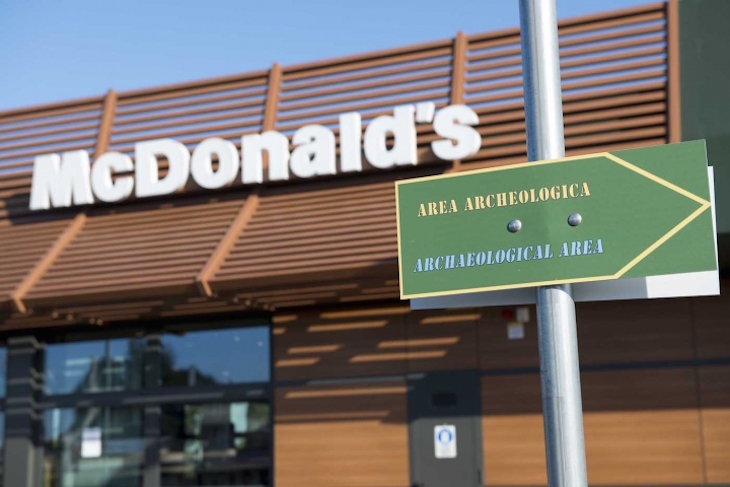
[
  {"x": 514, "y": 226},
  {"x": 575, "y": 219}
]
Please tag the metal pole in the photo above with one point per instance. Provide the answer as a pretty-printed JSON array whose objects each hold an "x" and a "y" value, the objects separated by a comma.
[{"x": 557, "y": 338}]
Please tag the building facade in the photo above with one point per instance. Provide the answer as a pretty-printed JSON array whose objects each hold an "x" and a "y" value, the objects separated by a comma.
[{"x": 255, "y": 336}]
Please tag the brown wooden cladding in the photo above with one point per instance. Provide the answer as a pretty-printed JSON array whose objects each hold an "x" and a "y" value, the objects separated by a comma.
[
  {"x": 388, "y": 340},
  {"x": 345, "y": 343},
  {"x": 635, "y": 331},
  {"x": 25, "y": 134},
  {"x": 614, "y": 85},
  {"x": 227, "y": 108},
  {"x": 512, "y": 430},
  {"x": 712, "y": 330},
  {"x": 333, "y": 436},
  {"x": 651, "y": 416},
  {"x": 714, "y": 387},
  {"x": 645, "y": 425},
  {"x": 443, "y": 340},
  {"x": 304, "y": 236},
  {"x": 641, "y": 428},
  {"x": 21, "y": 248},
  {"x": 143, "y": 249},
  {"x": 294, "y": 234}
]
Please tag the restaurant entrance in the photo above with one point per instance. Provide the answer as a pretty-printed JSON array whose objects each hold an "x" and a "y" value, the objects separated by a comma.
[{"x": 153, "y": 408}]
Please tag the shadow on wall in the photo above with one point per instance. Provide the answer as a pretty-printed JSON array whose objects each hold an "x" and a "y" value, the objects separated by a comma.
[
  {"x": 636, "y": 356},
  {"x": 655, "y": 381}
]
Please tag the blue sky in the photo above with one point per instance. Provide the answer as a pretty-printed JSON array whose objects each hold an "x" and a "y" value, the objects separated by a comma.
[{"x": 52, "y": 50}]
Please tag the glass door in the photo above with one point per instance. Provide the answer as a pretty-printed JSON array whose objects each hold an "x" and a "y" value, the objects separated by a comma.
[
  {"x": 215, "y": 444},
  {"x": 182, "y": 407},
  {"x": 90, "y": 447}
]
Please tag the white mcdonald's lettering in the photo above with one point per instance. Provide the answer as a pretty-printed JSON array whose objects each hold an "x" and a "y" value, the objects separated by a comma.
[{"x": 70, "y": 179}]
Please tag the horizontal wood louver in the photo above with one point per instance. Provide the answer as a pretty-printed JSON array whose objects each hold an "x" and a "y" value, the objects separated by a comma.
[
  {"x": 145, "y": 250},
  {"x": 226, "y": 108},
  {"x": 370, "y": 84},
  {"x": 296, "y": 234},
  {"x": 285, "y": 296},
  {"x": 356, "y": 290},
  {"x": 21, "y": 247},
  {"x": 25, "y": 134},
  {"x": 614, "y": 85},
  {"x": 306, "y": 242},
  {"x": 332, "y": 436},
  {"x": 97, "y": 314}
]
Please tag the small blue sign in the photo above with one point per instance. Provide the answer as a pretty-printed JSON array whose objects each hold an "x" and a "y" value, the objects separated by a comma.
[{"x": 444, "y": 437}]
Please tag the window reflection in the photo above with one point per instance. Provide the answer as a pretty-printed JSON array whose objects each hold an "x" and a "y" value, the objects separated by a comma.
[
  {"x": 93, "y": 447},
  {"x": 215, "y": 444},
  {"x": 94, "y": 366},
  {"x": 229, "y": 356},
  {"x": 3, "y": 369},
  {"x": 2, "y": 446}
]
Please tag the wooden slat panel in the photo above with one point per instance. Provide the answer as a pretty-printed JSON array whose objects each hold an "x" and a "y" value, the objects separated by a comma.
[
  {"x": 319, "y": 345},
  {"x": 343, "y": 436},
  {"x": 387, "y": 81},
  {"x": 711, "y": 325},
  {"x": 512, "y": 430},
  {"x": 51, "y": 109},
  {"x": 354, "y": 289},
  {"x": 608, "y": 51},
  {"x": 422, "y": 73},
  {"x": 715, "y": 400},
  {"x": 226, "y": 108},
  {"x": 641, "y": 428},
  {"x": 79, "y": 122},
  {"x": 439, "y": 340},
  {"x": 194, "y": 84},
  {"x": 95, "y": 268},
  {"x": 221, "y": 250},
  {"x": 21, "y": 247},
  {"x": 53, "y": 128},
  {"x": 675, "y": 115},
  {"x": 496, "y": 351},
  {"x": 337, "y": 213},
  {"x": 417, "y": 73},
  {"x": 87, "y": 315},
  {"x": 635, "y": 331},
  {"x": 367, "y": 61},
  {"x": 615, "y": 14},
  {"x": 199, "y": 92},
  {"x": 45, "y": 262}
]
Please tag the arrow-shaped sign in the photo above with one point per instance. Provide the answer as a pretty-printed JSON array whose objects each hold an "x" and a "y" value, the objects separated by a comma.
[{"x": 602, "y": 216}]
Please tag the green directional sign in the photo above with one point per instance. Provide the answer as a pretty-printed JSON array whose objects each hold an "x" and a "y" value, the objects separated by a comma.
[{"x": 611, "y": 215}]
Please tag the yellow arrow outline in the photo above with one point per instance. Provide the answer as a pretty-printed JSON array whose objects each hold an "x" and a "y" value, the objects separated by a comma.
[{"x": 703, "y": 202}]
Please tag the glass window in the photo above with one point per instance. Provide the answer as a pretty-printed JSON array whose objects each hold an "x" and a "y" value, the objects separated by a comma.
[
  {"x": 92, "y": 447},
  {"x": 215, "y": 444},
  {"x": 3, "y": 369},
  {"x": 228, "y": 356},
  {"x": 94, "y": 366},
  {"x": 2, "y": 445}
]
